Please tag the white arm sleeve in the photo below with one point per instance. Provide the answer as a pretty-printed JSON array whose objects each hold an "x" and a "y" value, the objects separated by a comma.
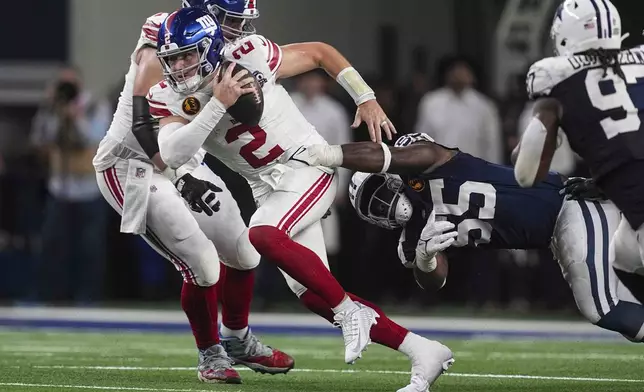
[
  {"x": 178, "y": 143},
  {"x": 531, "y": 148}
]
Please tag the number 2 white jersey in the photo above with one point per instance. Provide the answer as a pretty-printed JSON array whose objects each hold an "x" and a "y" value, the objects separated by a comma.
[
  {"x": 119, "y": 140},
  {"x": 250, "y": 151},
  {"x": 603, "y": 114}
]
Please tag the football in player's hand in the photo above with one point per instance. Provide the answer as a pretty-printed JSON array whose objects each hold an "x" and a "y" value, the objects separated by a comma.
[
  {"x": 435, "y": 280},
  {"x": 249, "y": 107}
]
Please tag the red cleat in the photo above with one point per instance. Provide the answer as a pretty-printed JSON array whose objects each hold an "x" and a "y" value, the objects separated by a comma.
[{"x": 253, "y": 354}]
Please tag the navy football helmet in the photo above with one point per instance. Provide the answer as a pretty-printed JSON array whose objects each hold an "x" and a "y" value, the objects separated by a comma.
[
  {"x": 234, "y": 16},
  {"x": 190, "y": 49}
]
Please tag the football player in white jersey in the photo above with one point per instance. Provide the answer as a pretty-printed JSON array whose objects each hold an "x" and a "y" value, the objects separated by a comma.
[
  {"x": 594, "y": 91},
  {"x": 152, "y": 206},
  {"x": 291, "y": 196}
]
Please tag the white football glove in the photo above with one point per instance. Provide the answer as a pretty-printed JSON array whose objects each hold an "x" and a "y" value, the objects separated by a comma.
[
  {"x": 433, "y": 239},
  {"x": 317, "y": 155}
]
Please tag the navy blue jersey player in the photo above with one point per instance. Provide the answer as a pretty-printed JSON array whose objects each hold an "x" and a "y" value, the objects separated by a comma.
[
  {"x": 442, "y": 197},
  {"x": 594, "y": 91}
]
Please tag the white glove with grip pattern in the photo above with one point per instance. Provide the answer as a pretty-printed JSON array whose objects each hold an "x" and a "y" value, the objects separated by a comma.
[{"x": 435, "y": 237}]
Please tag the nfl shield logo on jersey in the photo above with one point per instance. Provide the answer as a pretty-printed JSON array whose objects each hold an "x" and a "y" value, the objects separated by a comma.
[{"x": 140, "y": 172}]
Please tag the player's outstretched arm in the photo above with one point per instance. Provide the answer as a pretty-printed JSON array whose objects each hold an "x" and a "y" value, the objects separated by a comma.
[
  {"x": 538, "y": 144},
  {"x": 148, "y": 74},
  {"x": 303, "y": 57},
  {"x": 373, "y": 157}
]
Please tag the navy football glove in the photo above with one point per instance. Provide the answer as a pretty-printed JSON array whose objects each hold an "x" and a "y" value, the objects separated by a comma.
[{"x": 580, "y": 188}]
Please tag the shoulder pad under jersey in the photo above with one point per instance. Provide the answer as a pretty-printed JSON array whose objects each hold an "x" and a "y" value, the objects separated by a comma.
[
  {"x": 545, "y": 74},
  {"x": 406, "y": 140}
]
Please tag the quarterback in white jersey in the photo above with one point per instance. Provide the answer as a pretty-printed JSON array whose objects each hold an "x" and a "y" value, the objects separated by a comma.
[
  {"x": 194, "y": 241},
  {"x": 291, "y": 196}
]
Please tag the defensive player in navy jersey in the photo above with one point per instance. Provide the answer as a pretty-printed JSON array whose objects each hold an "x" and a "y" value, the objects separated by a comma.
[
  {"x": 594, "y": 91},
  {"x": 430, "y": 190}
]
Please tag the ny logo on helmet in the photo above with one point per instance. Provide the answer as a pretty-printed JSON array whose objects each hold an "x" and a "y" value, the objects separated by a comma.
[{"x": 207, "y": 22}]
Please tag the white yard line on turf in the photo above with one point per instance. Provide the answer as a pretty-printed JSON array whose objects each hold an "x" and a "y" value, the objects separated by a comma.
[
  {"x": 465, "y": 375},
  {"x": 96, "y": 387},
  {"x": 26, "y": 350}
]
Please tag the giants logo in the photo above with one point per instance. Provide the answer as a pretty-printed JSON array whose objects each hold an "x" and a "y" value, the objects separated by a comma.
[{"x": 207, "y": 22}]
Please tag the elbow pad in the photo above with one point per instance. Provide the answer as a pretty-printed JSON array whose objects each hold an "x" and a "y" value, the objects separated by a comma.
[{"x": 143, "y": 126}]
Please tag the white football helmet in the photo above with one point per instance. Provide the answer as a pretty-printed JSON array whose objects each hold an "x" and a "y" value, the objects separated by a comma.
[
  {"x": 581, "y": 25},
  {"x": 379, "y": 199}
]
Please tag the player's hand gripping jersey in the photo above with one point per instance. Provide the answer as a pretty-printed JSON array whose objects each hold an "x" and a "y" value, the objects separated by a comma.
[
  {"x": 603, "y": 114},
  {"x": 484, "y": 201},
  {"x": 119, "y": 142},
  {"x": 250, "y": 151}
]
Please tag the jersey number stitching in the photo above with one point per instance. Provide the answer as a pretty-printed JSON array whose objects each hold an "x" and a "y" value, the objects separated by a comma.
[
  {"x": 465, "y": 192},
  {"x": 248, "y": 150},
  {"x": 622, "y": 116},
  {"x": 245, "y": 48}
]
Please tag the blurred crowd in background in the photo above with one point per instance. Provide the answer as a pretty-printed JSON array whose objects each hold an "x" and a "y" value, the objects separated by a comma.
[
  {"x": 58, "y": 231},
  {"x": 59, "y": 241}
]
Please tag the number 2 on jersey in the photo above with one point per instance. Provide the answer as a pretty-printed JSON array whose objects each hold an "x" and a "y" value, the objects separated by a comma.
[
  {"x": 248, "y": 150},
  {"x": 245, "y": 48},
  {"x": 610, "y": 94}
]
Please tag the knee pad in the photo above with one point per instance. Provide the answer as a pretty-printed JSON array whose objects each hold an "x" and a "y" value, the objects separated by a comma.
[
  {"x": 204, "y": 264},
  {"x": 247, "y": 256}
]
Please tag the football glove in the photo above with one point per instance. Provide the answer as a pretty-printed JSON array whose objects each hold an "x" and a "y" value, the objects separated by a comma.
[
  {"x": 435, "y": 237},
  {"x": 316, "y": 155},
  {"x": 199, "y": 194},
  {"x": 580, "y": 188}
]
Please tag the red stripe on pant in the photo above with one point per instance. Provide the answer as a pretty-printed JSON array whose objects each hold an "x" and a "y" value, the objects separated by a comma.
[
  {"x": 319, "y": 195},
  {"x": 114, "y": 185},
  {"x": 304, "y": 203}
]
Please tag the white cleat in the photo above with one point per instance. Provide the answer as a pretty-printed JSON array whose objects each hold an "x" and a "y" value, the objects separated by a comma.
[
  {"x": 429, "y": 361},
  {"x": 356, "y": 325}
]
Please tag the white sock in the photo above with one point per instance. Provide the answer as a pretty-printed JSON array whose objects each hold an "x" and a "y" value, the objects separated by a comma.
[
  {"x": 233, "y": 333},
  {"x": 408, "y": 344},
  {"x": 346, "y": 305}
]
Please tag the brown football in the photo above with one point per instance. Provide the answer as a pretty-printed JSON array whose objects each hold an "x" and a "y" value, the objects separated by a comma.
[
  {"x": 435, "y": 280},
  {"x": 249, "y": 107}
]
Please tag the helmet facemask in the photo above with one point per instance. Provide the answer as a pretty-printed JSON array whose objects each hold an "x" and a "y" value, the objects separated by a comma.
[
  {"x": 196, "y": 74},
  {"x": 234, "y": 25},
  {"x": 380, "y": 201}
]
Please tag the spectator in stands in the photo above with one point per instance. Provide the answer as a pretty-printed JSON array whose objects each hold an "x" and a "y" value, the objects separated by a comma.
[
  {"x": 458, "y": 115},
  {"x": 66, "y": 131},
  {"x": 331, "y": 121}
]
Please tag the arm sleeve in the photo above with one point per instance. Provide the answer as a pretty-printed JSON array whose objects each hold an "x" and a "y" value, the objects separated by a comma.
[
  {"x": 178, "y": 143},
  {"x": 493, "y": 135}
]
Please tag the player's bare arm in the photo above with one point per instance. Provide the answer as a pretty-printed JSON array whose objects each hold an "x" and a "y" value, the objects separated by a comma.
[
  {"x": 303, "y": 57},
  {"x": 534, "y": 153},
  {"x": 148, "y": 74},
  {"x": 377, "y": 158},
  {"x": 180, "y": 140}
]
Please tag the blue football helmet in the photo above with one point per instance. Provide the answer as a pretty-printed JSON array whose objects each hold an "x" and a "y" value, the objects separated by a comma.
[
  {"x": 234, "y": 16},
  {"x": 190, "y": 49}
]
